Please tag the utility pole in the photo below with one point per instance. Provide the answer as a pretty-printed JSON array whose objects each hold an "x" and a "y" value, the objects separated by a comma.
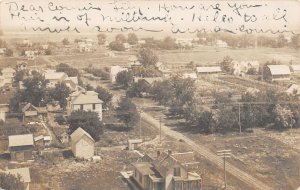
[
  {"x": 140, "y": 123},
  {"x": 160, "y": 129},
  {"x": 224, "y": 154},
  {"x": 240, "y": 118}
]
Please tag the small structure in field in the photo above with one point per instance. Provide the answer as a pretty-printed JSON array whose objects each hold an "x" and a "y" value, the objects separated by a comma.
[
  {"x": 207, "y": 70},
  {"x": 191, "y": 75},
  {"x": 277, "y": 73},
  {"x": 24, "y": 174},
  {"x": 133, "y": 143},
  {"x": 20, "y": 147},
  {"x": 82, "y": 144}
]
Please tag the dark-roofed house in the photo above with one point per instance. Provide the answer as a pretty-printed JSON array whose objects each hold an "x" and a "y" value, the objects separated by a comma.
[
  {"x": 169, "y": 171},
  {"x": 277, "y": 73},
  {"x": 82, "y": 144},
  {"x": 20, "y": 147}
]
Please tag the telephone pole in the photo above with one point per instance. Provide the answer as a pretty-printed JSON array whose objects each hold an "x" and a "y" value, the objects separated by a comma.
[{"x": 224, "y": 154}]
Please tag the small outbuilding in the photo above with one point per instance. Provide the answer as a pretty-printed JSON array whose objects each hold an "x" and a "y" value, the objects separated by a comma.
[
  {"x": 82, "y": 144},
  {"x": 20, "y": 147},
  {"x": 24, "y": 174},
  {"x": 278, "y": 73}
]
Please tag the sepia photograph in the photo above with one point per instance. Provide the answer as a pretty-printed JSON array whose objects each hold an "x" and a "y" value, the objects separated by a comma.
[{"x": 149, "y": 95}]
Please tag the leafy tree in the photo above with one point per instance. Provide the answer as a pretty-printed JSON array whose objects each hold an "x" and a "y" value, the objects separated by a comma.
[
  {"x": 3, "y": 44},
  {"x": 169, "y": 43},
  {"x": 65, "y": 41},
  {"x": 116, "y": 46},
  {"x": 101, "y": 39},
  {"x": 132, "y": 39},
  {"x": 124, "y": 78},
  {"x": 281, "y": 41},
  {"x": 10, "y": 182},
  {"x": 127, "y": 112},
  {"x": 9, "y": 53},
  {"x": 20, "y": 75},
  {"x": 14, "y": 104},
  {"x": 163, "y": 92},
  {"x": 138, "y": 88},
  {"x": 48, "y": 52},
  {"x": 60, "y": 93},
  {"x": 284, "y": 117},
  {"x": 104, "y": 95},
  {"x": 147, "y": 57},
  {"x": 252, "y": 71},
  {"x": 150, "y": 71},
  {"x": 70, "y": 71},
  {"x": 120, "y": 38},
  {"x": 227, "y": 65},
  {"x": 88, "y": 121},
  {"x": 296, "y": 41}
]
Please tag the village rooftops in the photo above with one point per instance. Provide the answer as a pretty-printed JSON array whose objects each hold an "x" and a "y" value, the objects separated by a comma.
[
  {"x": 79, "y": 133},
  {"x": 20, "y": 140},
  {"x": 207, "y": 69},
  {"x": 88, "y": 97},
  {"x": 279, "y": 69},
  {"x": 54, "y": 75},
  {"x": 24, "y": 173}
]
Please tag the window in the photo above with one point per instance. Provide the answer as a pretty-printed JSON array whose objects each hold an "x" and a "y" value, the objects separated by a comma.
[
  {"x": 177, "y": 171},
  {"x": 94, "y": 106}
]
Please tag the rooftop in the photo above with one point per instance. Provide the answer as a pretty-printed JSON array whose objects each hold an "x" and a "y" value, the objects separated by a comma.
[
  {"x": 88, "y": 97},
  {"x": 20, "y": 140},
  {"x": 23, "y": 172},
  {"x": 279, "y": 69},
  {"x": 78, "y": 134},
  {"x": 212, "y": 69}
]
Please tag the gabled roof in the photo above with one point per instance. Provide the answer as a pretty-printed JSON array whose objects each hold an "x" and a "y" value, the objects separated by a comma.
[
  {"x": 20, "y": 140},
  {"x": 23, "y": 172},
  {"x": 27, "y": 106},
  {"x": 79, "y": 133},
  {"x": 279, "y": 69},
  {"x": 88, "y": 97},
  {"x": 212, "y": 69},
  {"x": 54, "y": 75}
]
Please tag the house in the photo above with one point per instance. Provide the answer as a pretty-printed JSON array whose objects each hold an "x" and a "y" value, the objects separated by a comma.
[
  {"x": 4, "y": 103},
  {"x": 84, "y": 47},
  {"x": 191, "y": 75},
  {"x": 221, "y": 44},
  {"x": 277, "y": 73},
  {"x": 114, "y": 70},
  {"x": 20, "y": 147},
  {"x": 2, "y": 51},
  {"x": 82, "y": 144},
  {"x": 72, "y": 83},
  {"x": 295, "y": 69},
  {"x": 54, "y": 77},
  {"x": 133, "y": 143},
  {"x": 242, "y": 67},
  {"x": 30, "y": 110},
  {"x": 8, "y": 74},
  {"x": 24, "y": 174},
  {"x": 203, "y": 70},
  {"x": 86, "y": 100},
  {"x": 294, "y": 89},
  {"x": 42, "y": 140},
  {"x": 168, "y": 171}
]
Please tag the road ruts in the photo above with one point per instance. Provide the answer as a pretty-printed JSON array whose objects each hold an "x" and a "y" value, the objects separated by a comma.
[{"x": 209, "y": 155}]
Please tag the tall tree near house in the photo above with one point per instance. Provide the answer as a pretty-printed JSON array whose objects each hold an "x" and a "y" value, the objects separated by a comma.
[
  {"x": 70, "y": 71},
  {"x": 88, "y": 121},
  {"x": 147, "y": 57},
  {"x": 227, "y": 65},
  {"x": 127, "y": 112},
  {"x": 101, "y": 39},
  {"x": 138, "y": 88},
  {"x": 124, "y": 78},
  {"x": 120, "y": 38},
  {"x": 132, "y": 39},
  {"x": 60, "y": 93},
  {"x": 281, "y": 41},
  {"x": 10, "y": 182},
  {"x": 296, "y": 41},
  {"x": 104, "y": 95},
  {"x": 116, "y": 46}
]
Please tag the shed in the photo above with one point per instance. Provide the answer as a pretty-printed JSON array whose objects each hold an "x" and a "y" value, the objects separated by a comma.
[
  {"x": 278, "y": 72},
  {"x": 133, "y": 143},
  {"x": 82, "y": 144},
  {"x": 20, "y": 147},
  {"x": 24, "y": 174}
]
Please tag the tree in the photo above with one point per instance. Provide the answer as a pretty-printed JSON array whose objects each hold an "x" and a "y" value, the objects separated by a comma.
[
  {"x": 20, "y": 75},
  {"x": 124, "y": 78},
  {"x": 10, "y": 182},
  {"x": 132, "y": 39},
  {"x": 9, "y": 53},
  {"x": 101, "y": 39},
  {"x": 65, "y": 41},
  {"x": 116, "y": 46},
  {"x": 3, "y": 44},
  {"x": 147, "y": 57},
  {"x": 127, "y": 112},
  {"x": 283, "y": 117},
  {"x": 281, "y": 41},
  {"x": 168, "y": 43},
  {"x": 70, "y": 71},
  {"x": 227, "y": 65},
  {"x": 296, "y": 41},
  {"x": 60, "y": 93},
  {"x": 104, "y": 95},
  {"x": 120, "y": 38},
  {"x": 88, "y": 121},
  {"x": 138, "y": 88}
]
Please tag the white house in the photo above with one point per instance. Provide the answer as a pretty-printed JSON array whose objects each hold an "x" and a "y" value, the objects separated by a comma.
[
  {"x": 8, "y": 75},
  {"x": 2, "y": 51},
  {"x": 54, "y": 77},
  {"x": 241, "y": 67},
  {"x": 114, "y": 70},
  {"x": 30, "y": 54},
  {"x": 87, "y": 101},
  {"x": 24, "y": 174},
  {"x": 278, "y": 72},
  {"x": 82, "y": 144},
  {"x": 221, "y": 44}
]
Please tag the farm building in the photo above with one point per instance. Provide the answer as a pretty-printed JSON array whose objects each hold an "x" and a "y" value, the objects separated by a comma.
[
  {"x": 208, "y": 70},
  {"x": 24, "y": 174},
  {"x": 20, "y": 147},
  {"x": 295, "y": 69},
  {"x": 277, "y": 73},
  {"x": 87, "y": 101},
  {"x": 294, "y": 89},
  {"x": 168, "y": 171},
  {"x": 114, "y": 70},
  {"x": 82, "y": 144}
]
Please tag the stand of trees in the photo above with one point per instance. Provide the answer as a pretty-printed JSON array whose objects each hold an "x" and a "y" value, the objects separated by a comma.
[
  {"x": 127, "y": 112},
  {"x": 124, "y": 78}
]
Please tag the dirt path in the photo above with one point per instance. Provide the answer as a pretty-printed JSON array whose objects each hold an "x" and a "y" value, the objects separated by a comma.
[{"x": 205, "y": 152}]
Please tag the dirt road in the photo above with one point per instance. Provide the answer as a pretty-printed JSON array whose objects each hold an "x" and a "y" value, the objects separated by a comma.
[{"x": 209, "y": 155}]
